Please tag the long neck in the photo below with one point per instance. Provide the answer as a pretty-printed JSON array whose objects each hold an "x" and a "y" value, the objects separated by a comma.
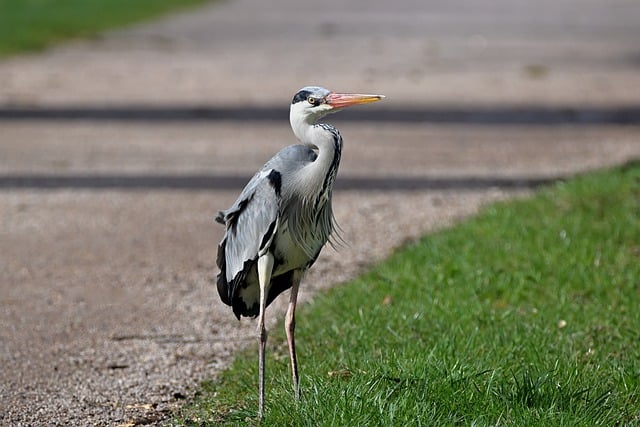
[
  {"x": 314, "y": 183},
  {"x": 329, "y": 153},
  {"x": 327, "y": 141}
]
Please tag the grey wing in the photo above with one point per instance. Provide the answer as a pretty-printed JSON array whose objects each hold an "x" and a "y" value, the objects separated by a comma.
[
  {"x": 292, "y": 157},
  {"x": 250, "y": 226}
]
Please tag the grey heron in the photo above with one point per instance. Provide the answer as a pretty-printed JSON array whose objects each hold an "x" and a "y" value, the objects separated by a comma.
[{"x": 277, "y": 227}]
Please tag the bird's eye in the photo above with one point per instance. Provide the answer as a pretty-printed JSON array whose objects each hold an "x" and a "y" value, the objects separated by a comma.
[{"x": 311, "y": 100}]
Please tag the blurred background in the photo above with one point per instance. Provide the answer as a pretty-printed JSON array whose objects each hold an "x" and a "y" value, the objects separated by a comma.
[{"x": 119, "y": 144}]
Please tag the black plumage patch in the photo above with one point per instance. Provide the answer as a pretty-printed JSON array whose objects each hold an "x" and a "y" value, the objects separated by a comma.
[
  {"x": 301, "y": 96},
  {"x": 232, "y": 217},
  {"x": 223, "y": 286},
  {"x": 238, "y": 282},
  {"x": 329, "y": 179},
  {"x": 220, "y": 218},
  {"x": 279, "y": 284},
  {"x": 275, "y": 179},
  {"x": 268, "y": 235},
  {"x": 240, "y": 308}
]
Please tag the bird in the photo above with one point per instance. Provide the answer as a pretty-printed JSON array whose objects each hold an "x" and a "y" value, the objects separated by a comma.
[{"x": 282, "y": 219}]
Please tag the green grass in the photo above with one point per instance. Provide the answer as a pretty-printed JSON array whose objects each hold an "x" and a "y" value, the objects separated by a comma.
[
  {"x": 526, "y": 315},
  {"x": 29, "y": 25}
]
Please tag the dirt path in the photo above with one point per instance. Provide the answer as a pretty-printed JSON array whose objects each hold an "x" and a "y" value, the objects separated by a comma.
[{"x": 108, "y": 313}]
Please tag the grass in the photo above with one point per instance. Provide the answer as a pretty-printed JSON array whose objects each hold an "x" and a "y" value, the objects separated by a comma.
[
  {"x": 526, "y": 315},
  {"x": 30, "y": 25}
]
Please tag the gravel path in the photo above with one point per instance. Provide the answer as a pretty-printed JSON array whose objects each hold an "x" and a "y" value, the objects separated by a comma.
[{"x": 108, "y": 313}]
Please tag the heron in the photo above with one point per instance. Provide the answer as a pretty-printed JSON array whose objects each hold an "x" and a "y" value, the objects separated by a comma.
[{"x": 282, "y": 219}]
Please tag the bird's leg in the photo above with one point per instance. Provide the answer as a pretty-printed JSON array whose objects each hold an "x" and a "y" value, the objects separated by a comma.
[
  {"x": 265, "y": 266},
  {"x": 290, "y": 325}
]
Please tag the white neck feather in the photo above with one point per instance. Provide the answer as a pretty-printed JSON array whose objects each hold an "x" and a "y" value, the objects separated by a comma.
[{"x": 318, "y": 138}]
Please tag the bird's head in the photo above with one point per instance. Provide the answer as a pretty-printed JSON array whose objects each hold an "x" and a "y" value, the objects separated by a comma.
[{"x": 311, "y": 103}]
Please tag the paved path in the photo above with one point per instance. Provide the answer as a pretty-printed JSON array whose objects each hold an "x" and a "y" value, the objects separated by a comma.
[
  {"x": 419, "y": 52},
  {"x": 108, "y": 313}
]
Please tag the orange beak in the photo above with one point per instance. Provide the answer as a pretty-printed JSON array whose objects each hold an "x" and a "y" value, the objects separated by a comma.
[{"x": 342, "y": 100}]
